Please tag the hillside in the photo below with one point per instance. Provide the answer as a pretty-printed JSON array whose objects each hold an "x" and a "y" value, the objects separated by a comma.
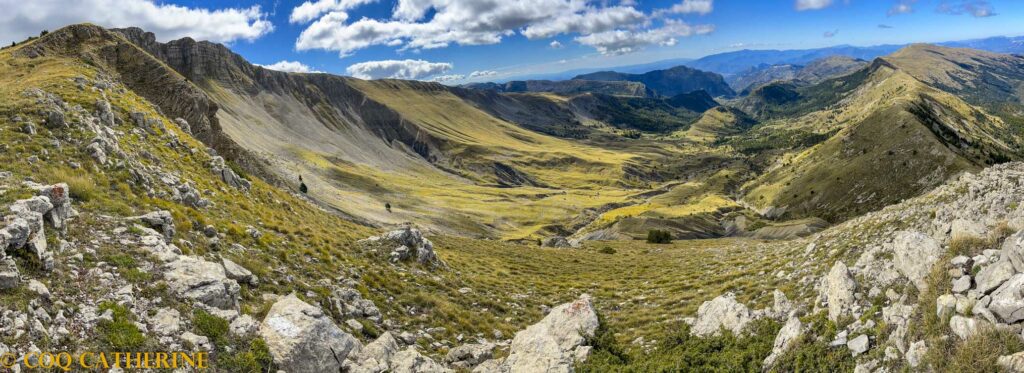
[
  {"x": 881, "y": 121},
  {"x": 809, "y": 74},
  {"x": 669, "y": 82}
]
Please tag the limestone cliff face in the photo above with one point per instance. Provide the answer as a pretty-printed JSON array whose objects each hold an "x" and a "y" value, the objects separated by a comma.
[
  {"x": 335, "y": 101},
  {"x": 175, "y": 95}
]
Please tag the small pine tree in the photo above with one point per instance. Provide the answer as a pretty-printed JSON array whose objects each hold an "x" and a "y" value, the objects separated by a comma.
[
  {"x": 387, "y": 206},
  {"x": 43, "y": 33},
  {"x": 303, "y": 188}
]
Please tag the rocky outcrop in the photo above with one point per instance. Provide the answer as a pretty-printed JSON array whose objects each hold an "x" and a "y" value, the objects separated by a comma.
[
  {"x": 1013, "y": 363},
  {"x": 303, "y": 339},
  {"x": 555, "y": 343},
  {"x": 723, "y": 312},
  {"x": 915, "y": 254},
  {"x": 408, "y": 244},
  {"x": 469, "y": 355},
  {"x": 839, "y": 291},
  {"x": 556, "y": 241},
  {"x": 229, "y": 176},
  {"x": 202, "y": 281},
  {"x": 160, "y": 220},
  {"x": 238, "y": 273},
  {"x": 25, "y": 228},
  {"x": 787, "y": 335},
  {"x": 375, "y": 357}
]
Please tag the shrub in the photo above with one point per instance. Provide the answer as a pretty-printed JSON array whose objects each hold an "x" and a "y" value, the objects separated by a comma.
[
  {"x": 606, "y": 250},
  {"x": 120, "y": 333},
  {"x": 682, "y": 352},
  {"x": 659, "y": 236},
  {"x": 254, "y": 360},
  {"x": 211, "y": 326}
]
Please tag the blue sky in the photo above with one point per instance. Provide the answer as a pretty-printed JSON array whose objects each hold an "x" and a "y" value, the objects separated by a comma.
[{"x": 452, "y": 39}]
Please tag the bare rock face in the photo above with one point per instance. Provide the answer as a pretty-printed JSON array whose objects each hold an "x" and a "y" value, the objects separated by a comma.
[
  {"x": 160, "y": 220},
  {"x": 409, "y": 244},
  {"x": 1013, "y": 251},
  {"x": 1012, "y": 363},
  {"x": 469, "y": 355},
  {"x": 374, "y": 357},
  {"x": 555, "y": 343},
  {"x": 9, "y": 275},
  {"x": 202, "y": 281},
  {"x": 723, "y": 312},
  {"x": 1008, "y": 300},
  {"x": 411, "y": 361},
  {"x": 303, "y": 339},
  {"x": 838, "y": 290},
  {"x": 993, "y": 275},
  {"x": 915, "y": 254},
  {"x": 229, "y": 176},
  {"x": 787, "y": 335}
]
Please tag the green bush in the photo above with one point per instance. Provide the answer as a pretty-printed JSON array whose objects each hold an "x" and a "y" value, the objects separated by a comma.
[
  {"x": 682, "y": 352},
  {"x": 658, "y": 236},
  {"x": 606, "y": 250},
  {"x": 121, "y": 333},
  {"x": 211, "y": 326},
  {"x": 256, "y": 359}
]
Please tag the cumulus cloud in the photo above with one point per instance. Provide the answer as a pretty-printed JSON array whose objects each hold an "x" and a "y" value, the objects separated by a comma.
[
  {"x": 427, "y": 24},
  {"x": 290, "y": 66},
  {"x": 310, "y": 10},
  {"x": 701, "y": 7},
  {"x": 398, "y": 69},
  {"x": 618, "y": 42},
  {"x": 588, "y": 22},
  {"x": 482, "y": 73},
  {"x": 976, "y": 8},
  {"x": 812, "y": 4},
  {"x": 21, "y": 19},
  {"x": 555, "y": 44}
]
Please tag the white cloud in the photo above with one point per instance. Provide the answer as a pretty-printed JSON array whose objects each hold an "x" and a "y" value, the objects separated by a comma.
[
  {"x": 21, "y": 18},
  {"x": 310, "y": 10},
  {"x": 555, "y": 44},
  {"x": 831, "y": 34},
  {"x": 902, "y": 7},
  {"x": 427, "y": 24},
  {"x": 976, "y": 8},
  {"x": 701, "y": 7},
  {"x": 290, "y": 66},
  {"x": 482, "y": 73},
  {"x": 588, "y": 22},
  {"x": 621, "y": 42},
  {"x": 812, "y": 4},
  {"x": 448, "y": 78},
  {"x": 398, "y": 69}
]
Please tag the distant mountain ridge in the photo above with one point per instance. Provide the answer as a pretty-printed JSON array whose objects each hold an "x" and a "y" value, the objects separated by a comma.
[
  {"x": 729, "y": 63},
  {"x": 670, "y": 82},
  {"x": 567, "y": 87},
  {"x": 814, "y": 72}
]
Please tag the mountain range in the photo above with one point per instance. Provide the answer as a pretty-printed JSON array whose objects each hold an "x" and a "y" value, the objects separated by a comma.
[{"x": 833, "y": 209}]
